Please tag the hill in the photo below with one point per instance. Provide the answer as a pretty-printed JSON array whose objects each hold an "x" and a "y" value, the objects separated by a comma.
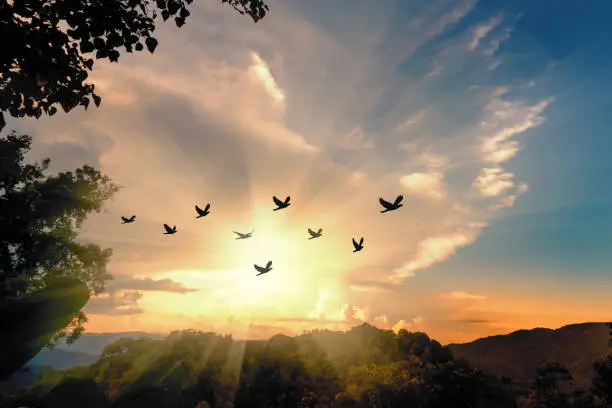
[
  {"x": 519, "y": 353},
  {"x": 94, "y": 343}
]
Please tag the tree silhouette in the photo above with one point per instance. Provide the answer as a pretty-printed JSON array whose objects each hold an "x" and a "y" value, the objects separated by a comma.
[
  {"x": 53, "y": 44},
  {"x": 40, "y": 216}
]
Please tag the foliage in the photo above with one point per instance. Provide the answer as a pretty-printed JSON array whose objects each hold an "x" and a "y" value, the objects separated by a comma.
[
  {"x": 315, "y": 370},
  {"x": 40, "y": 217},
  {"x": 53, "y": 45}
]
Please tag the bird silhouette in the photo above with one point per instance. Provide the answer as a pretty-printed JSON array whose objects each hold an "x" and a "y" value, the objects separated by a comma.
[
  {"x": 261, "y": 270},
  {"x": 202, "y": 212},
  {"x": 128, "y": 220},
  {"x": 391, "y": 206},
  {"x": 314, "y": 234},
  {"x": 244, "y": 236},
  {"x": 358, "y": 246},
  {"x": 169, "y": 231},
  {"x": 281, "y": 204}
]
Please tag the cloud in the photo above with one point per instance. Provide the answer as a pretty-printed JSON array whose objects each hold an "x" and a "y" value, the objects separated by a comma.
[
  {"x": 458, "y": 295},
  {"x": 410, "y": 122},
  {"x": 436, "y": 249},
  {"x": 481, "y": 31},
  {"x": 263, "y": 74},
  {"x": 474, "y": 321},
  {"x": 415, "y": 324},
  {"x": 356, "y": 139},
  {"x": 493, "y": 181},
  {"x": 115, "y": 304},
  {"x": 496, "y": 42},
  {"x": 126, "y": 282},
  {"x": 327, "y": 112},
  {"x": 506, "y": 119},
  {"x": 428, "y": 185}
]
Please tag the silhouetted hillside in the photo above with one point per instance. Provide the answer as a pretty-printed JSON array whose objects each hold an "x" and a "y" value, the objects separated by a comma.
[{"x": 518, "y": 354}]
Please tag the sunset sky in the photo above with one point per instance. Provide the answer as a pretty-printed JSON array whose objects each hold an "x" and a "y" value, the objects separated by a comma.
[{"x": 492, "y": 118}]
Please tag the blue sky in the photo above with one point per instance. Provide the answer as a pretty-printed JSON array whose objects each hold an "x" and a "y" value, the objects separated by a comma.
[{"x": 491, "y": 117}]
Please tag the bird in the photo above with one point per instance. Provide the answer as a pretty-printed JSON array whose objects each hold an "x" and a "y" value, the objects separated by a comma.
[
  {"x": 281, "y": 204},
  {"x": 391, "y": 206},
  {"x": 261, "y": 270},
  {"x": 314, "y": 234},
  {"x": 169, "y": 231},
  {"x": 358, "y": 246},
  {"x": 128, "y": 220},
  {"x": 244, "y": 236},
  {"x": 202, "y": 212}
]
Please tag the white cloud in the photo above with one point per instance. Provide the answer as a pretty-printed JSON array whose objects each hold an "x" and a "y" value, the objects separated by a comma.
[
  {"x": 481, "y": 31},
  {"x": 428, "y": 185},
  {"x": 436, "y": 249},
  {"x": 262, "y": 72},
  {"x": 493, "y": 181},
  {"x": 506, "y": 119}
]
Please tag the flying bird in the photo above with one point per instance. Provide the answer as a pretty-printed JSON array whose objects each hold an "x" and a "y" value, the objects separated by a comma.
[
  {"x": 202, "y": 212},
  {"x": 314, "y": 234},
  {"x": 358, "y": 246},
  {"x": 261, "y": 270},
  {"x": 244, "y": 236},
  {"x": 391, "y": 206},
  {"x": 281, "y": 204},
  {"x": 128, "y": 220},
  {"x": 169, "y": 231}
]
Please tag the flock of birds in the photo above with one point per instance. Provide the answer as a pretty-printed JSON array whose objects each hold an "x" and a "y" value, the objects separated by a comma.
[{"x": 358, "y": 246}]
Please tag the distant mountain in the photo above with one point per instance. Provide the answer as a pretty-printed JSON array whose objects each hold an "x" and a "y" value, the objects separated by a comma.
[
  {"x": 60, "y": 359},
  {"x": 518, "y": 354},
  {"x": 94, "y": 343}
]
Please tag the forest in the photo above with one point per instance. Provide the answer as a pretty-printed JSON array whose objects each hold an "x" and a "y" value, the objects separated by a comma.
[{"x": 365, "y": 367}]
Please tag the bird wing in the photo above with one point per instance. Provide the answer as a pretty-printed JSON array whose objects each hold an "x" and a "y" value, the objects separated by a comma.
[
  {"x": 311, "y": 232},
  {"x": 132, "y": 218},
  {"x": 361, "y": 241},
  {"x": 385, "y": 203},
  {"x": 167, "y": 227},
  {"x": 239, "y": 234},
  {"x": 320, "y": 231},
  {"x": 287, "y": 199},
  {"x": 355, "y": 244},
  {"x": 277, "y": 201},
  {"x": 124, "y": 219},
  {"x": 199, "y": 210},
  {"x": 398, "y": 199},
  {"x": 269, "y": 264},
  {"x": 259, "y": 268},
  {"x": 207, "y": 207}
]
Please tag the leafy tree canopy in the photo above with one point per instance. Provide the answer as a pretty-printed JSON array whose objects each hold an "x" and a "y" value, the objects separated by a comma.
[
  {"x": 40, "y": 216},
  {"x": 48, "y": 47}
]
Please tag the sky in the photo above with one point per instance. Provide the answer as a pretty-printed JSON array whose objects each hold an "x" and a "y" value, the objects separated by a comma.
[{"x": 490, "y": 117}]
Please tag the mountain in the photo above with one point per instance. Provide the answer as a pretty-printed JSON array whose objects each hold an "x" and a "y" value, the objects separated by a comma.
[
  {"x": 94, "y": 343},
  {"x": 519, "y": 353},
  {"x": 60, "y": 359}
]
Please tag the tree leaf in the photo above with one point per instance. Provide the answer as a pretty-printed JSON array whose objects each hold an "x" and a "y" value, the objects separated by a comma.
[
  {"x": 113, "y": 55},
  {"x": 151, "y": 44},
  {"x": 96, "y": 99}
]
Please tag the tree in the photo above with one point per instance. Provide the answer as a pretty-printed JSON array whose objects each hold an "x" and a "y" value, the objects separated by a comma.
[
  {"x": 50, "y": 46},
  {"x": 547, "y": 386},
  {"x": 40, "y": 216}
]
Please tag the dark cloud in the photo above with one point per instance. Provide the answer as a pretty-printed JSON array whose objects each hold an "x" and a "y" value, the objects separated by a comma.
[
  {"x": 124, "y": 282},
  {"x": 473, "y": 321}
]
